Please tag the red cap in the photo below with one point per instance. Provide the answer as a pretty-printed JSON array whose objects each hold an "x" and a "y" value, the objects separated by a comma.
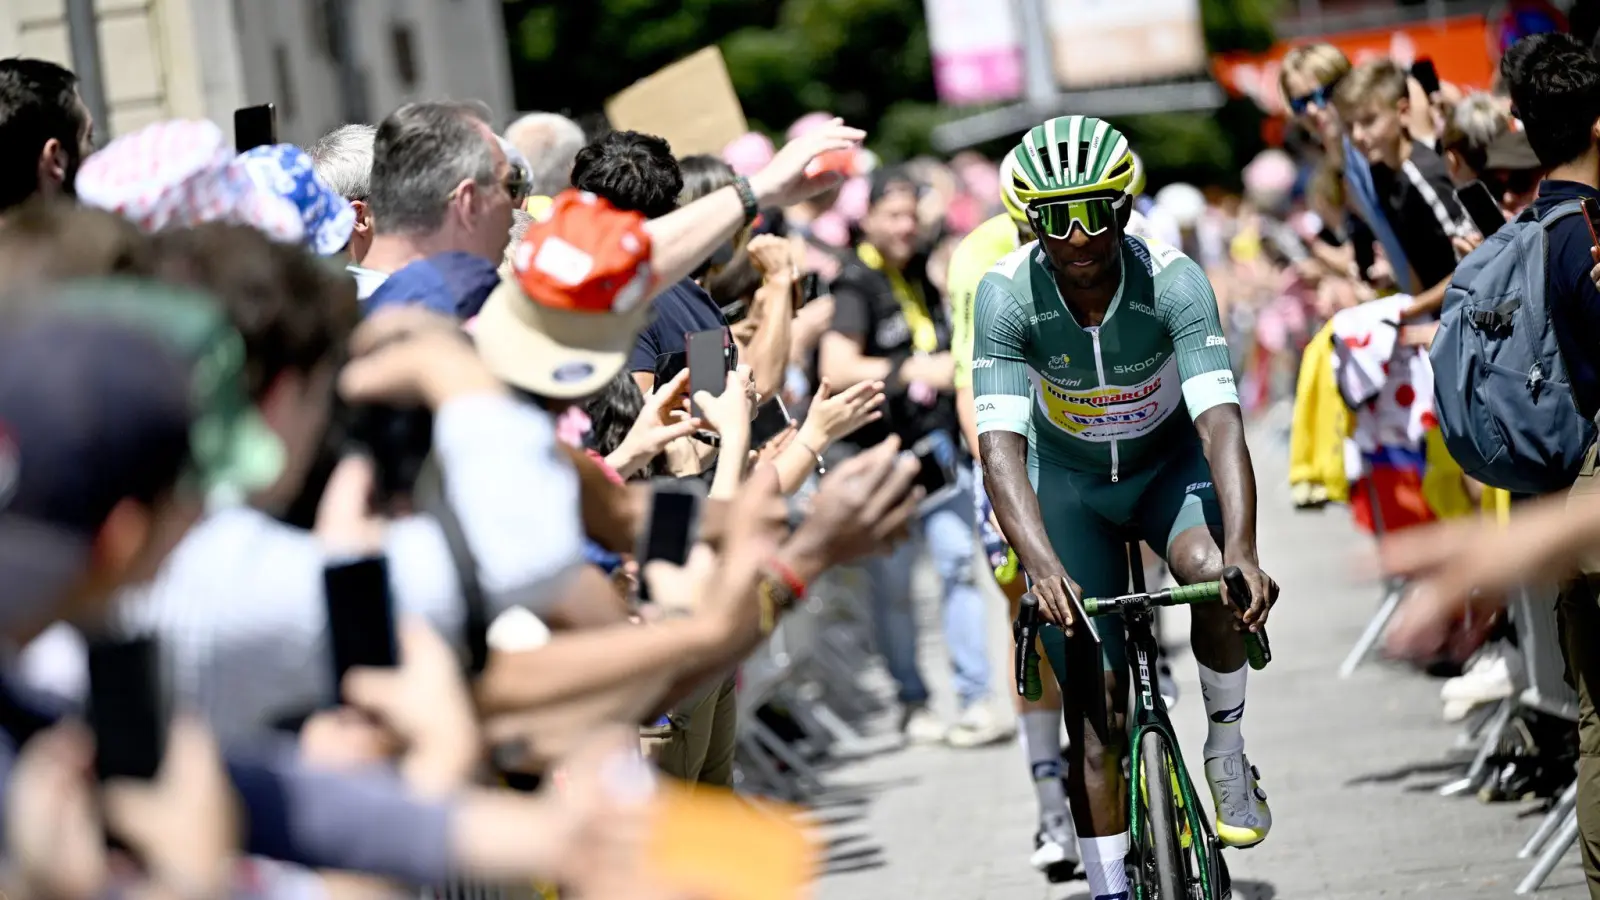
[
  {"x": 563, "y": 323},
  {"x": 587, "y": 256}
]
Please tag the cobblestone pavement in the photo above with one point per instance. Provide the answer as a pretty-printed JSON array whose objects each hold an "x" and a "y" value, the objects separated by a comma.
[{"x": 1349, "y": 766}]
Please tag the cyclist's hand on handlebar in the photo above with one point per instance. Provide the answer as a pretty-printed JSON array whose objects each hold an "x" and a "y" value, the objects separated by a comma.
[
  {"x": 1263, "y": 593},
  {"x": 1057, "y": 594}
]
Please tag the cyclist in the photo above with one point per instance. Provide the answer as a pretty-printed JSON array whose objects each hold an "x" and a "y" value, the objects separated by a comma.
[
  {"x": 1055, "y": 845},
  {"x": 1087, "y": 344}
]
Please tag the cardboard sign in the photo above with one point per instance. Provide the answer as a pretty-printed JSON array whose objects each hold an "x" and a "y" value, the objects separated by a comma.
[{"x": 691, "y": 103}]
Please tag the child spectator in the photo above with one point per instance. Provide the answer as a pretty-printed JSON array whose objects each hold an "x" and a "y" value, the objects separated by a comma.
[{"x": 1411, "y": 179}]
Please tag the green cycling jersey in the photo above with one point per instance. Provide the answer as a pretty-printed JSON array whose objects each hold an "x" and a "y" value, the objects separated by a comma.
[{"x": 1100, "y": 399}]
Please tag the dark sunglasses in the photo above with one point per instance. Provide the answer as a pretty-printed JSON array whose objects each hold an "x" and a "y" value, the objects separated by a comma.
[
  {"x": 1511, "y": 181},
  {"x": 1322, "y": 96},
  {"x": 516, "y": 185}
]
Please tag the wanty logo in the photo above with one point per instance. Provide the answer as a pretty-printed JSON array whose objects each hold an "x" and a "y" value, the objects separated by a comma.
[{"x": 1116, "y": 418}]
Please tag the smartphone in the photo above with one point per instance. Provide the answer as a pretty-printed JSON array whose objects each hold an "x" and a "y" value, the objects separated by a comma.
[
  {"x": 708, "y": 363},
  {"x": 129, "y": 709},
  {"x": 772, "y": 417},
  {"x": 673, "y": 524},
  {"x": 810, "y": 287},
  {"x": 1366, "y": 256},
  {"x": 360, "y": 616},
  {"x": 1426, "y": 75},
  {"x": 255, "y": 126},
  {"x": 1481, "y": 206},
  {"x": 933, "y": 474},
  {"x": 1591, "y": 214}
]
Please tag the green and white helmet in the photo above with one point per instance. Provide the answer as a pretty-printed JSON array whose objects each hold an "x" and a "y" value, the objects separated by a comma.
[{"x": 1069, "y": 156}]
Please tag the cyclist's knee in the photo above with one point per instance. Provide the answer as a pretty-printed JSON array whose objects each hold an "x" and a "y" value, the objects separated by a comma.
[{"x": 1194, "y": 557}]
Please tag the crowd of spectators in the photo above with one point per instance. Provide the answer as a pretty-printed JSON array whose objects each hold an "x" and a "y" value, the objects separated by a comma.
[{"x": 336, "y": 490}]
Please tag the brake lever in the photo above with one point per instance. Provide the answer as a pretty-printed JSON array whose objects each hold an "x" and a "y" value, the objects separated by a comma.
[{"x": 1256, "y": 646}]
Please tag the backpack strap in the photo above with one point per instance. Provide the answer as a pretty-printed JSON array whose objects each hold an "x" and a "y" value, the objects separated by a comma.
[
  {"x": 431, "y": 498},
  {"x": 1497, "y": 319},
  {"x": 1554, "y": 214}
]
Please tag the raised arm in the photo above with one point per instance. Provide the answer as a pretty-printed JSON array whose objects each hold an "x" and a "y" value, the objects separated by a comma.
[{"x": 686, "y": 237}]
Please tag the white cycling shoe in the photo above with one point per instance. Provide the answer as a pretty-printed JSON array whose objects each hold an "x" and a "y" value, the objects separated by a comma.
[{"x": 1243, "y": 818}]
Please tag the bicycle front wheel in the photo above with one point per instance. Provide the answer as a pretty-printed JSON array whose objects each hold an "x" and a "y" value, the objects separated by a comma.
[{"x": 1163, "y": 862}]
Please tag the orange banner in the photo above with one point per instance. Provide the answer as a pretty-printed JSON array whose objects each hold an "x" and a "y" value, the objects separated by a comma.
[{"x": 1459, "y": 48}]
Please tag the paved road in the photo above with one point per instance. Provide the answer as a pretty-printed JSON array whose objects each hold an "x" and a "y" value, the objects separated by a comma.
[{"x": 1348, "y": 765}]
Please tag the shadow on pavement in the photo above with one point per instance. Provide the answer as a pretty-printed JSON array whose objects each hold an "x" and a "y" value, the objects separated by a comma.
[
  {"x": 1253, "y": 890},
  {"x": 1242, "y": 890},
  {"x": 859, "y": 859},
  {"x": 1401, "y": 773}
]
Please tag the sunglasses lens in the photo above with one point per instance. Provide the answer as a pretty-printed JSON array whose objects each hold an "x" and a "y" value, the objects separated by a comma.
[
  {"x": 1054, "y": 220},
  {"x": 1093, "y": 216}
]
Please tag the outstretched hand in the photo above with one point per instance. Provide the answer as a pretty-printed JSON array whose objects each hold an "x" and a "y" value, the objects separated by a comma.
[{"x": 661, "y": 421}]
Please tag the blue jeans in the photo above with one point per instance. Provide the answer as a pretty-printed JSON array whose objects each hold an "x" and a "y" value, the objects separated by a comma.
[{"x": 947, "y": 531}]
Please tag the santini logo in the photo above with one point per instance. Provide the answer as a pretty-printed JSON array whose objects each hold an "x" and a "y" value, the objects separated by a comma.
[{"x": 982, "y": 363}]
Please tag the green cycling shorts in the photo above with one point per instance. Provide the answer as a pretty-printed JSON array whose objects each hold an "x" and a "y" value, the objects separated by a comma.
[{"x": 1089, "y": 520}]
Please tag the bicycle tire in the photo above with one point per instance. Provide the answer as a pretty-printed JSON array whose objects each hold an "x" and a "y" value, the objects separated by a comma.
[{"x": 1161, "y": 851}]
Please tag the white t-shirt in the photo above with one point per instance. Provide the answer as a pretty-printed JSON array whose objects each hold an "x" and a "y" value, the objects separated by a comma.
[{"x": 367, "y": 280}]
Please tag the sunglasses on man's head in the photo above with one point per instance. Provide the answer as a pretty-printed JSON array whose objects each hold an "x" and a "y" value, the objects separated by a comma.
[
  {"x": 1322, "y": 96},
  {"x": 516, "y": 185},
  {"x": 1094, "y": 215}
]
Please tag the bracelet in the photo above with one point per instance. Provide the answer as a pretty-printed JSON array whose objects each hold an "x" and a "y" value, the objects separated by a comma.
[
  {"x": 822, "y": 468},
  {"x": 793, "y": 582},
  {"x": 747, "y": 196},
  {"x": 769, "y": 610}
]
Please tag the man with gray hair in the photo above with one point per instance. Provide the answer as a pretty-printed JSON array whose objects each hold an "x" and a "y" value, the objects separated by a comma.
[
  {"x": 441, "y": 185},
  {"x": 550, "y": 142},
  {"x": 343, "y": 159}
]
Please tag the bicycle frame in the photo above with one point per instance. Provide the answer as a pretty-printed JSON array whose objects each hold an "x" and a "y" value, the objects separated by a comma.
[{"x": 1148, "y": 712}]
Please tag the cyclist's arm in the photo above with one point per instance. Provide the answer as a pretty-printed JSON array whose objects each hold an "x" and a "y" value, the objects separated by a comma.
[
  {"x": 1188, "y": 307},
  {"x": 1000, "y": 381}
]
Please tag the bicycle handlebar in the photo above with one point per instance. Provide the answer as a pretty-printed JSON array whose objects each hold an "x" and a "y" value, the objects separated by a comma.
[
  {"x": 1026, "y": 628},
  {"x": 1256, "y": 647}
]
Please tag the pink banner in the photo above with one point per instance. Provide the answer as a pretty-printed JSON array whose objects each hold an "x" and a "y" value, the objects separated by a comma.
[{"x": 978, "y": 77}]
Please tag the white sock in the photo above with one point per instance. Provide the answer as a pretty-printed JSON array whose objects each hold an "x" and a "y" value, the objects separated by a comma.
[
  {"x": 1224, "y": 699},
  {"x": 1102, "y": 866},
  {"x": 1041, "y": 744}
]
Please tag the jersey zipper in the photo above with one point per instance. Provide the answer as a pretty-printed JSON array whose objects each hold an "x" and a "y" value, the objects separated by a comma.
[{"x": 1100, "y": 370}]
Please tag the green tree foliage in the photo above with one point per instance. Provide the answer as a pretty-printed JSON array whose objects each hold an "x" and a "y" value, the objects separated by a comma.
[{"x": 867, "y": 60}]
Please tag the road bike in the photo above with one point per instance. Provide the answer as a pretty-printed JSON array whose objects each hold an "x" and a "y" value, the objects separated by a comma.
[{"x": 1173, "y": 852}]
